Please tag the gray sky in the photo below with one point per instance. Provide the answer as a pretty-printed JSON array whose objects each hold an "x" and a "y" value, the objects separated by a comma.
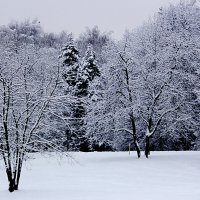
[{"x": 75, "y": 15}]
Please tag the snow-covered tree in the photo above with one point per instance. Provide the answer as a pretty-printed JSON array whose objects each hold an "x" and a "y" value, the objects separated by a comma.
[
  {"x": 78, "y": 74},
  {"x": 71, "y": 64},
  {"x": 124, "y": 73},
  {"x": 113, "y": 112},
  {"x": 28, "y": 80},
  {"x": 96, "y": 39},
  {"x": 166, "y": 50}
]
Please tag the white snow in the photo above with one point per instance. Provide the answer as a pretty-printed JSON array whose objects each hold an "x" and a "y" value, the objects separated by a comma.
[{"x": 109, "y": 176}]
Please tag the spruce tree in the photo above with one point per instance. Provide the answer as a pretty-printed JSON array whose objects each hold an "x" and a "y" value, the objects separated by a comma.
[
  {"x": 70, "y": 57},
  {"x": 78, "y": 75}
]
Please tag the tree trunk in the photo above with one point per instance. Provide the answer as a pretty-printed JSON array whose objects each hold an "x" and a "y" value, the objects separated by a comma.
[
  {"x": 131, "y": 101},
  {"x": 11, "y": 181},
  {"x": 135, "y": 137},
  {"x": 13, "y": 178},
  {"x": 148, "y": 135},
  {"x": 147, "y": 146},
  {"x": 137, "y": 148},
  {"x": 18, "y": 177},
  {"x": 11, "y": 186}
]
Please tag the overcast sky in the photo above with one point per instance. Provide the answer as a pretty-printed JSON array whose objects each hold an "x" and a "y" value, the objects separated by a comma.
[{"x": 75, "y": 15}]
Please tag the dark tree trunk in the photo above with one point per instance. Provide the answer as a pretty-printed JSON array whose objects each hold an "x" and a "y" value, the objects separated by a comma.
[
  {"x": 135, "y": 137},
  {"x": 11, "y": 181},
  {"x": 131, "y": 114},
  {"x": 137, "y": 149},
  {"x": 13, "y": 178},
  {"x": 11, "y": 186},
  {"x": 147, "y": 146},
  {"x": 16, "y": 186},
  {"x": 147, "y": 142},
  {"x": 18, "y": 175}
]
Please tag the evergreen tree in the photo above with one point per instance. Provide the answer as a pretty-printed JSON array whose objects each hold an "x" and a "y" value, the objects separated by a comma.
[
  {"x": 71, "y": 63},
  {"x": 90, "y": 68},
  {"x": 78, "y": 75}
]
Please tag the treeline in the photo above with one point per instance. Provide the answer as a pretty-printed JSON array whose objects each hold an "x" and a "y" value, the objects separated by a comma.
[{"x": 143, "y": 90}]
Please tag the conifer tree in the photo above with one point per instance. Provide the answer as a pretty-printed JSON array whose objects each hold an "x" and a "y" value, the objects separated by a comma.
[
  {"x": 71, "y": 63},
  {"x": 78, "y": 75}
]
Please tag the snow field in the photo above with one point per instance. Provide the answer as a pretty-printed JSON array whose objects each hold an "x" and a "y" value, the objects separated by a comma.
[{"x": 108, "y": 176}]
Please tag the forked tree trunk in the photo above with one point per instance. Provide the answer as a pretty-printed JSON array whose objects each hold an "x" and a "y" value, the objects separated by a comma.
[
  {"x": 13, "y": 183},
  {"x": 14, "y": 177}
]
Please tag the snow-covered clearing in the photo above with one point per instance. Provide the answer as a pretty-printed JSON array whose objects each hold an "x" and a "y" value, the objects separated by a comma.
[{"x": 109, "y": 176}]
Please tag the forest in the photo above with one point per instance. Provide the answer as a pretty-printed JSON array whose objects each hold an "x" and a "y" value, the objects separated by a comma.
[{"x": 59, "y": 93}]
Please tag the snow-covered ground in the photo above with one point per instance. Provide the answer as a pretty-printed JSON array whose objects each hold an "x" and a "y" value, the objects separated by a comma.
[{"x": 109, "y": 176}]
